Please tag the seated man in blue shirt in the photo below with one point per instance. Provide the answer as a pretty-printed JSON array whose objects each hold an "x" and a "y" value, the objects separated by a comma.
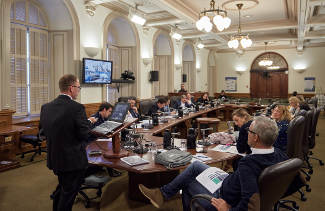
[
  {"x": 104, "y": 111},
  {"x": 102, "y": 115},
  {"x": 239, "y": 190}
]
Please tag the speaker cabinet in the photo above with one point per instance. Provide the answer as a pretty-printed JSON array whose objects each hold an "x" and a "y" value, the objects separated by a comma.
[
  {"x": 184, "y": 78},
  {"x": 154, "y": 75}
]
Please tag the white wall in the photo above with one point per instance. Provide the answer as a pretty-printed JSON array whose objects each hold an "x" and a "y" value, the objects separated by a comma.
[
  {"x": 312, "y": 57},
  {"x": 202, "y": 70},
  {"x": 91, "y": 35}
]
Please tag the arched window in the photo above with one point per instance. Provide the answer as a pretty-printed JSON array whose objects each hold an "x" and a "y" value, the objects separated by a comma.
[{"x": 28, "y": 57}]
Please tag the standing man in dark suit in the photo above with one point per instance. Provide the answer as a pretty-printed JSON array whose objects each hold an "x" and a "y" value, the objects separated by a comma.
[{"x": 66, "y": 128}]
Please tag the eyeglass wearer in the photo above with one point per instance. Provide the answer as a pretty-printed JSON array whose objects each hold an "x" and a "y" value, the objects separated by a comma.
[
  {"x": 248, "y": 130},
  {"x": 79, "y": 87}
]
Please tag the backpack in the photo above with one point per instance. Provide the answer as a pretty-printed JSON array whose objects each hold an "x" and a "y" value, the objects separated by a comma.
[{"x": 173, "y": 158}]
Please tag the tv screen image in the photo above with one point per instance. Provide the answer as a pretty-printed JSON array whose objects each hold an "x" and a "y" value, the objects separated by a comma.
[{"x": 97, "y": 71}]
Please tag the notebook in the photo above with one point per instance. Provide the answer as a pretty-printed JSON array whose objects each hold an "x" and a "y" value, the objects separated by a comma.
[{"x": 115, "y": 120}]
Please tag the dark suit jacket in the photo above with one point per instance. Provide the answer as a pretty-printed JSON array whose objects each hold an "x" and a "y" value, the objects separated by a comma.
[
  {"x": 66, "y": 128},
  {"x": 178, "y": 104}
]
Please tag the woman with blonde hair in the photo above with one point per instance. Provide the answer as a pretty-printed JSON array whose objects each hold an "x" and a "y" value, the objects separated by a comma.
[
  {"x": 243, "y": 120},
  {"x": 294, "y": 105},
  {"x": 282, "y": 117}
]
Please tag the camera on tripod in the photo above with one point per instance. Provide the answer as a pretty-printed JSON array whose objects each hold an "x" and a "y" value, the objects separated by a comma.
[{"x": 127, "y": 75}]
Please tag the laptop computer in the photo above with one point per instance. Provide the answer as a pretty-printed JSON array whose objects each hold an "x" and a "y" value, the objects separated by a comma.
[{"x": 115, "y": 120}]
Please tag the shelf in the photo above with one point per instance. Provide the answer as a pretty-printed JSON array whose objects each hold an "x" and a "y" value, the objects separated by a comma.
[{"x": 122, "y": 81}]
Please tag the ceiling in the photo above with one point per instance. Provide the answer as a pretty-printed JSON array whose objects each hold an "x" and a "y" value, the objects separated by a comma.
[{"x": 282, "y": 23}]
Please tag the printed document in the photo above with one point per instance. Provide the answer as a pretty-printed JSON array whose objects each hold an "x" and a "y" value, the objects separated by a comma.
[{"x": 212, "y": 178}]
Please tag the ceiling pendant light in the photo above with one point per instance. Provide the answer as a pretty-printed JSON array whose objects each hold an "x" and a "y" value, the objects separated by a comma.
[
  {"x": 220, "y": 19},
  {"x": 241, "y": 38},
  {"x": 266, "y": 62}
]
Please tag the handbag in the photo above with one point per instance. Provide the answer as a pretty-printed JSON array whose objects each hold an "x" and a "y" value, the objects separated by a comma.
[{"x": 173, "y": 158}]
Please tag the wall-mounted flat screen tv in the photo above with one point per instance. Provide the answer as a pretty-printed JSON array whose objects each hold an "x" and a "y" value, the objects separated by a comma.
[{"x": 96, "y": 71}]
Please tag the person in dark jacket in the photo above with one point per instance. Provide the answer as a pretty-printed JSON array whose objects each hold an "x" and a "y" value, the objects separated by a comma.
[
  {"x": 282, "y": 117},
  {"x": 67, "y": 130},
  {"x": 204, "y": 99},
  {"x": 133, "y": 107},
  {"x": 182, "y": 90},
  {"x": 104, "y": 111},
  {"x": 243, "y": 120},
  {"x": 158, "y": 106},
  {"x": 239, "y": 190}
]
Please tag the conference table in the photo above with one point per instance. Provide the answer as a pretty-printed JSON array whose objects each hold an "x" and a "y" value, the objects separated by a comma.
[{"x": 152, "y": 174}]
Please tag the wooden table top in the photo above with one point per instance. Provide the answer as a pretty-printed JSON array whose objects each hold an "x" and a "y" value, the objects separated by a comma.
[
  {"x": 172, "y": 122},
  {"x": 12, "y": 129},
  {"x": 151, "y": 167}
]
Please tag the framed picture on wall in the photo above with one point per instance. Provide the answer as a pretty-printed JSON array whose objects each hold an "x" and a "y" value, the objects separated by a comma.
[
  {"x": 231, "y": 84},
  {"x": 309, "y": 84}
]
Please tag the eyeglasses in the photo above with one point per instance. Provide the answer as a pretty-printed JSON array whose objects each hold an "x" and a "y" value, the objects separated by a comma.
[
  {"x": 79, "y": 87},
  {"x": 248, "y": 130}
]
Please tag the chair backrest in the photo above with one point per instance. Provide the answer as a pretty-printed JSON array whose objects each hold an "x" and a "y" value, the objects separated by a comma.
[
  {"x": 295, "y": 137},
  {"x": 145, "y": 105},
  {"x": 123, "y": 99},
  {"x": 307, "y": 132},
  {"x": 275, "y": 180},
  {"x": 313, "y": 127},
  {"x": 173, "y": 100}
]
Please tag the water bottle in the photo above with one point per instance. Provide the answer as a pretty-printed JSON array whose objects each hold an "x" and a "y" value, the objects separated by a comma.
[
  {"x": 191, "y": 139},
  {"x": 167, "y": 139},
  {"x": 155, "y": 120},
  {"x": 180, "y": 113}
]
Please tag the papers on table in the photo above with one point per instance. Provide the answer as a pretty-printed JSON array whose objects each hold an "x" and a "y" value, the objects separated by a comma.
[
  {"x": 104, "y": 139},
  {"x": 212, "y": 178},
  {"x": 227, "y": 148},
  {"x": 200, "y": 157},
  {"x": 134, "y": 160}
]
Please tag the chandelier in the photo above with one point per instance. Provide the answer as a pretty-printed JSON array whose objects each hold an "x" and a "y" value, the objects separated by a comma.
[
  {"x": 266, "y": 62},
  {"x": 220, "y": 19},
  {"x": 241, "y": 38}
]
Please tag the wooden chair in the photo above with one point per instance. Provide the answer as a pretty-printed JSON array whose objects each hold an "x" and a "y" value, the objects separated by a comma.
[{"x": 210, "y": 121}]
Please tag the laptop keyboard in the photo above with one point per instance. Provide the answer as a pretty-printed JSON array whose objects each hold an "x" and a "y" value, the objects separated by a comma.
[{"x": 107, "y": 127}]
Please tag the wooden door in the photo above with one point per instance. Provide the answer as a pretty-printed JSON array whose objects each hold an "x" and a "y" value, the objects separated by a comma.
[{"x": 269, "y": 84}]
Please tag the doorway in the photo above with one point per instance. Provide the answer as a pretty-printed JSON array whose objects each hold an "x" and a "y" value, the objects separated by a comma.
[{"x": 269, "y": 81}]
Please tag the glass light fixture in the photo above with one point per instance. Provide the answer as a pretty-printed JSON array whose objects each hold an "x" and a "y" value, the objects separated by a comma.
[
  {"x": 200, "y": 45},
  {"x": 241, "y": 38},
  {"x": 265, "y": 61},
  {"x": 174, "y": 33},
  {"x": 220, "y": 19},
  {"x": 135, "y": 17}
]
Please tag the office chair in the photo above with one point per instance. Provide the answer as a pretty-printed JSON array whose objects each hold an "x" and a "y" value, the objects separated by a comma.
[
  {"x": 297, "y": 130},
  {"x": 273, "y": 183},
  {"x": 36, "y": 141},
  {"x": 145, "y": 105},
  {"x": 312, "y": 142},
  {"x": 93, "y": 181}
]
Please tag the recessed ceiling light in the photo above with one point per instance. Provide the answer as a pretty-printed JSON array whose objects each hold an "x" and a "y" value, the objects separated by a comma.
[{"x": 247, "y": 16}]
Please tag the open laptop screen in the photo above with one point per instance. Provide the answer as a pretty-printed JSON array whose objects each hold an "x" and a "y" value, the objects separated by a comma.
[{"x": 119, "y": 112}]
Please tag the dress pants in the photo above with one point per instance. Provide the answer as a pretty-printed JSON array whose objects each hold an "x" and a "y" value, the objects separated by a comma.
[
  {"x": 186, "y": 181},
  {"x": 67, "y": 189}
]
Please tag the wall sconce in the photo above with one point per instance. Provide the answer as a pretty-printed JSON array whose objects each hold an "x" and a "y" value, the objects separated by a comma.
[
  {"x": 146, "y": 61},
  {"x": 178, "y": 66},
  {"x": 240, "y": 70},
  {"x": 300, "y": 70},
  {"x": 91, "y": 51},
  {"x": 198, "y": 69}
]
